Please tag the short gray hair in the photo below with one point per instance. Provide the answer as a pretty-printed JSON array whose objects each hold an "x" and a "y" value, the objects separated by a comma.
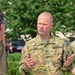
[{"x": 47, "y": 14}]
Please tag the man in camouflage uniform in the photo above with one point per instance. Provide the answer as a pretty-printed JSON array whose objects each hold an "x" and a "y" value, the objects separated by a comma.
[
  {"x": 45, "y": 54},
  {"x": 2, "y": 46}
]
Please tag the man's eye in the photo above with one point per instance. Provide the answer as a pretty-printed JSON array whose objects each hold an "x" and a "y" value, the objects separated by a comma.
[{"x": 44, "y": 24}]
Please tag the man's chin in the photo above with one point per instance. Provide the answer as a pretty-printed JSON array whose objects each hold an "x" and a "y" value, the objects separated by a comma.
[{"x": 41, "y": 33}]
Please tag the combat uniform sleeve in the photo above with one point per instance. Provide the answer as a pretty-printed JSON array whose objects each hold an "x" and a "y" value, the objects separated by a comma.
[
  {"x": 22, "y": 66},
  {"x": 66, "y": 53}
]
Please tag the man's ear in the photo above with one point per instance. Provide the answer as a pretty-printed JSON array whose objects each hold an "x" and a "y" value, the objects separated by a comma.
[{"x": 51, "y": 25}]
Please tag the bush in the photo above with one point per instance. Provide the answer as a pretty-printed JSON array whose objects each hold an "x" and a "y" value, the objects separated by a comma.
[
  {"x": 14, "y": 57},
  {"x": 13, "y": 61}
]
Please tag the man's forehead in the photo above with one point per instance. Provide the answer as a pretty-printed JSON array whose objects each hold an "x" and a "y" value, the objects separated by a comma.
[{"x": 43, "y": 17}]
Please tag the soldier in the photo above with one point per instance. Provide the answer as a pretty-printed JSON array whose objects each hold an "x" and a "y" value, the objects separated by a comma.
[
  {"x": 45, "y": 54},
  {"x": 2, "y": 46}
]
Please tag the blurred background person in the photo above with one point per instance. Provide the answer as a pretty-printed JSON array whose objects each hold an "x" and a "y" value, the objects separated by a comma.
[{"x": 3, "y": 68}]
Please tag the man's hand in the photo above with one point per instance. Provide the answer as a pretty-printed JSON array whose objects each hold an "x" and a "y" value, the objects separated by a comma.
[
  {"x": 73, "y": 71},
  {"x": 30, "y": 62},
  {"x": 69, "y": 60}
]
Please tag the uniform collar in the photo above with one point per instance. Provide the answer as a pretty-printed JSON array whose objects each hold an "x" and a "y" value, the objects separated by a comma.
[{"x": 51, "y": 40}]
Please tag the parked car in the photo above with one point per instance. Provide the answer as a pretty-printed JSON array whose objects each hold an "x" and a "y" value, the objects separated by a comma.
[{"x": 15, "y": 46}]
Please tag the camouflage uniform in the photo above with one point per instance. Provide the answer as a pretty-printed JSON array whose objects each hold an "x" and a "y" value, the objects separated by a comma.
[
  {"x": 2, "y": 59},
  {"x": 49, "y": 56}
]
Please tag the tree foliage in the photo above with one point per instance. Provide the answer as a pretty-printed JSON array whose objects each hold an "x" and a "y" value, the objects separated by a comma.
[{"x": 21, "y": 15}]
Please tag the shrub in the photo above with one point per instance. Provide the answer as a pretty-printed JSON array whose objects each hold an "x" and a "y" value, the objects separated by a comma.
[{"x": 13, "y": 61}]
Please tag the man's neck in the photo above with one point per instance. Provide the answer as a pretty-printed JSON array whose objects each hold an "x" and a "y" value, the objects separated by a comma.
[{"x": 44, "y": 36}]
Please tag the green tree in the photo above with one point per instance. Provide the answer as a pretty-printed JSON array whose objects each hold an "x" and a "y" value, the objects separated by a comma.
[{"x": 21, "y": 15}]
